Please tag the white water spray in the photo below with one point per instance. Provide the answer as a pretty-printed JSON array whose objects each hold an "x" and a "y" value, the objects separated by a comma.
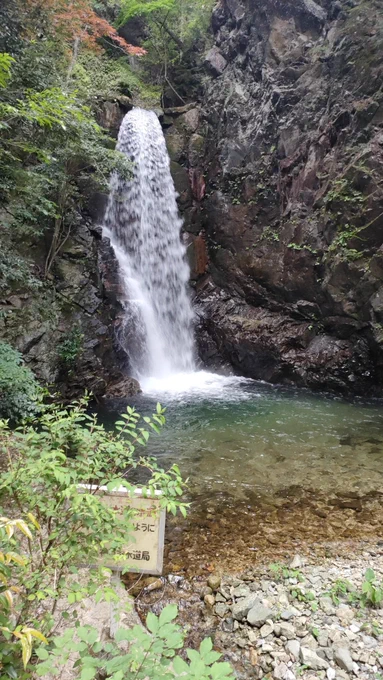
[{"x": 143, "y": 225}]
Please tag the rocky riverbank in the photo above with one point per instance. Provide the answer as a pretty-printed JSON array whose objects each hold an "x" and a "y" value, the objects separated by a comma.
[{"x": 301, "y": 618}]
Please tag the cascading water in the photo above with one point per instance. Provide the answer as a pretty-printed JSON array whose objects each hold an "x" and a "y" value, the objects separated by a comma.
[{"x": 143, "y": 225}]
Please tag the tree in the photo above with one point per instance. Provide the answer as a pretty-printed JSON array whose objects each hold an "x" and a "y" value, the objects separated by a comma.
[
  {"x": 77, "y": 22},
  {"x": 174, "y": 27},
  {"x": 52, "y": 142},
  {"x": 182, "y": 20}
]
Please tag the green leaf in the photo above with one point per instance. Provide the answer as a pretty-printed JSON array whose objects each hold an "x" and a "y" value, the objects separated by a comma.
[
  {"x": 152, "y": 623},
  {"x": 168, "y": 614},
  {"x": 88, "y": 673},
  {"x": 42, "y": 653},
  {"x": 369, "y": 575},
  {"x": 205, "y": 646},
  {"x": 180, "y": 666}
]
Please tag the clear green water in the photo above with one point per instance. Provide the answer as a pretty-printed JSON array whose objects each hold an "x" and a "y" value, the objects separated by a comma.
[{"x": 247, "y": 439}]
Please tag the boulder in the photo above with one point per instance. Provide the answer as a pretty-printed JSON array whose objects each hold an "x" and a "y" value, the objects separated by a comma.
[
  {"x": 126, "y": 387},
  {"x": 258, "y": 614},
  {"x": 242, "y": 607},
  {"x": 215, "y": 62}
]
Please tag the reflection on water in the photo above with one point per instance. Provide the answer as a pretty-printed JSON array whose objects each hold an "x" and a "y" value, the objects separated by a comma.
[{"x": 242, "y": 438}]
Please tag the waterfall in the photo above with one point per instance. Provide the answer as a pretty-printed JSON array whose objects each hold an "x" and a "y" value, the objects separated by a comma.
[{"x": 143, "y": 225}]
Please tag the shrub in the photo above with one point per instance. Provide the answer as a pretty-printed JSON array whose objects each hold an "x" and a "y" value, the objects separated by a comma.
[
  {"x": 70, "y": 349},
  {"x": 19, "y": 389},
  {"x": 150, "y": 656},
  {"x": 59, "y": 528},
  {"x": 45, "y": 462}
]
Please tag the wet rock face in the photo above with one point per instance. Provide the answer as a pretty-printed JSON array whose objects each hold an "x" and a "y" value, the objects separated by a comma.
[
  {"x": 67, "y": 332},
  {"x": 289, "y": 146}
]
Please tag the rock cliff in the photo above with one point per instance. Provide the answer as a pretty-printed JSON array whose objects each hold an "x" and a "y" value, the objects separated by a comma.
[{"x": 284, "y": 204}]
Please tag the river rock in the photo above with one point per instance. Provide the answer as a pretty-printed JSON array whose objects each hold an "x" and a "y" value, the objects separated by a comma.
[
  {"x": 267, "y": 629},
  {"x": 343, "y": 658},
  {"x": 258, "y": 614},
  {"x": 221, "y": 609},
  {"x": 280, "y": 671},
  {"x": 287, "y": 629},
  {"x": 209, "y": 600},
  {"x": 296, "y": 562},
  {"x": 330, "y": 673},
  {"x": 241, "y": 608},
  {"x": 311, "y": 659},
  {"x": 292, "y": 647},
  {"x": 214, "y": 581}
]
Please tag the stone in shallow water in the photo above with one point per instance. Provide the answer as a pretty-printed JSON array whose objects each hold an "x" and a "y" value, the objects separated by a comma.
[{"x": 258, "y": 614}]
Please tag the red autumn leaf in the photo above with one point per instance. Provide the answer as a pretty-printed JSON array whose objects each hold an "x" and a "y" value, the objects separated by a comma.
[{"x": 77, "y": 20}]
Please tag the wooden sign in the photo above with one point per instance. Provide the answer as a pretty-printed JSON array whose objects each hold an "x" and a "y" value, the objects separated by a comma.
[{"x": 145, "y": 553}]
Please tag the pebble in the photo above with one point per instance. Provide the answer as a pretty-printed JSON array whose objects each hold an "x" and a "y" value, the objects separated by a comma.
[
  {"x": 326, "y": 604},
  {"x": 287, "y": 629},
  {"x": 209, "y": 600},
  {"x": 241, "y": 591},
  {"x": 345, "y": 615},
  {"x": 288, "y": 614},
  {"x": 253, "y": 657},
  {"x": 280, "y": 671},
  {"x": 242, "y": 607},
  {"x": 284, "y": 639}
]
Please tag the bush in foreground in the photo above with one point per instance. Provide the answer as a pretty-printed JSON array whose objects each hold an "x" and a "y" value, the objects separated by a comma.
[{"x": 61, "y": 526}]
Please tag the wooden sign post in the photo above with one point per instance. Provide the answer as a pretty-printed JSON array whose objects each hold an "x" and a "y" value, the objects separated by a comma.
[{"x": 145, "y": 553}]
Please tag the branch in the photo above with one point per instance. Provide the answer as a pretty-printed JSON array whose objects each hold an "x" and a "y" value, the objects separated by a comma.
[
  {"x": 76, "y": 47},
  {"x": 170, "y": 33}
]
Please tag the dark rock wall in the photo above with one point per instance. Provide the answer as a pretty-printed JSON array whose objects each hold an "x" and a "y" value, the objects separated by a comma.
[{"x": 284, "y": 204}]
